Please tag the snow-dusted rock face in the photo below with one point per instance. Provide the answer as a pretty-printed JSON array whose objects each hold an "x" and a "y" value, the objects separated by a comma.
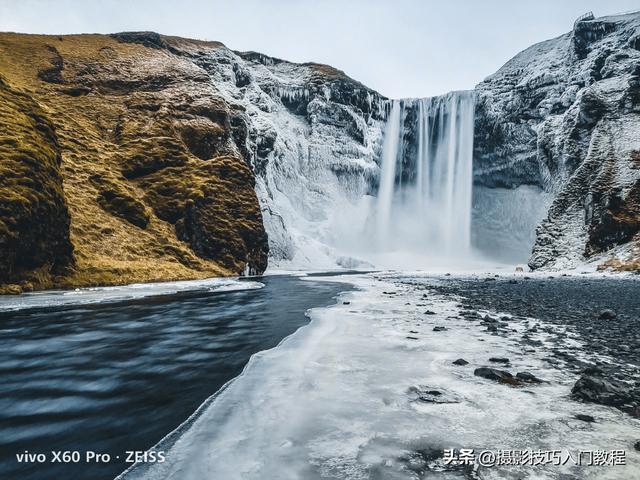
[
  {"x": 565, "y": 115},
  {"x": 556, "y": 136},
  {"x": 313, "y": 136}
]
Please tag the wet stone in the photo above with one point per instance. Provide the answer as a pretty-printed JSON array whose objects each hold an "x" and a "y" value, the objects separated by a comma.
[
  {"x": 439, "y": 329},
  {"x": 428, "y": 394},
  {"x": 528, "y": 377},
  {"x": 585, "y": 418},
  {"x": 607, "y": 315},
  {"x": 429, "y": 312},
  {"x": 460, "y": 361},
  {"x": 494, "y": 374},
  {"x": 592, "y": 371},
  {"x": 499, "y": 360},
  {"x": 611, "y": 392}
]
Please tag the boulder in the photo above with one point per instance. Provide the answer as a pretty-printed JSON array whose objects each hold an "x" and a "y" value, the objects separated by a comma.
[
  {"x": 585, "y": 418},
  {"x": 494, "y": 374},
  {"x": 611, "y": 392},
  {"x": 499, "y": 360},
  {"x": 607, "y": 315},
  {"x": 528, "y": 377}
]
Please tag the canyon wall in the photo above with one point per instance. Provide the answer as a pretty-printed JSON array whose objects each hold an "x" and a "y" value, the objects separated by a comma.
[
  {"x": 141, "y": 157},
  {"x": 120, "y": 163},
  {"x": 564, "y": 116}
]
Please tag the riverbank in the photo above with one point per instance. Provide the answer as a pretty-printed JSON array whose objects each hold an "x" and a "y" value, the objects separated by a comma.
[
  {"x": 374, "y": 387},
  {"x": 111, "y": 370}
]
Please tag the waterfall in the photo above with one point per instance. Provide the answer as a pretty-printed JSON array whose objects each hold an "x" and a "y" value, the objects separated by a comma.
[
  {"x": 424, "y": 198},
  {"x": 388, "y": 175}
]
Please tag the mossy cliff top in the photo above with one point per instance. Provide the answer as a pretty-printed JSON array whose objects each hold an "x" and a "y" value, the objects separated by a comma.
[{"x": 119, "y": 163}]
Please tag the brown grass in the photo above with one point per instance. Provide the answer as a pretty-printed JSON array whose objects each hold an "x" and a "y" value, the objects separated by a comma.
[{"x": 119, "y": 111}]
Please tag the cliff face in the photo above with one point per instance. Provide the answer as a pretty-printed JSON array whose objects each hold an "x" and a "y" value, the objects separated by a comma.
[
  {"x": 120, "y": 162},
  {"x": 565, "y": 115},
  {"x": 313, "y": 137},
  {"x": 34, "y": 220},
  {"x": 141, "y": 157}
]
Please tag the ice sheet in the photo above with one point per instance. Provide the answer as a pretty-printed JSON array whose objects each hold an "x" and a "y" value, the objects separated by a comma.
[
  {"x": 85, "y": 296},
  {"x": 334, "y": 401}
]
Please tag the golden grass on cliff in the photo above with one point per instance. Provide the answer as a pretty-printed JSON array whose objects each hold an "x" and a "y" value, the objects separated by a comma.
[{"x": 124, "y": 161}]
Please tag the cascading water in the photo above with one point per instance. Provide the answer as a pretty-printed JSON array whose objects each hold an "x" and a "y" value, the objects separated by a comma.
[
  {"x": 424, "y": 198},
  {"x": 387, "y": 179}
]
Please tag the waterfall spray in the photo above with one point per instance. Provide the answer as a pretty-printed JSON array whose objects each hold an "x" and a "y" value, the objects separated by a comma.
[
  {"x": 388, "y": 175},
  {"x": 431, "y": 213}
]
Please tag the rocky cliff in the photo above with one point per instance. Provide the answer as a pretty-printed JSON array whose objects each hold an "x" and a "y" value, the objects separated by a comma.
[
  {"x": 565, "y": 115},
  {"x": 120, "y": 162},
  {"x": 140, "y": 157}
]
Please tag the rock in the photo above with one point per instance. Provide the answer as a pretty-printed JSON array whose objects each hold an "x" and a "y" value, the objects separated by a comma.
[
  {"x": 439, "y": 329},
  {"x": 637, "y": 445},
  {"x": 607, "y": 315},
  {"x": 501, "y": 376},
  {"x": 492, "y": 328},
  {"x": 346, "y": 303},
  {"x": 513, "y": 281},
  {"x": 183, "y": 169},
  {"x": 34, "y": 218},
  {"x": 412, "y": 338},
  {"x": 429, "y": 312},
  {"x": 593, "y": 371},
  {"x": 429, "y": 395},
  {"x": 528, "y": 377},
  {"x": 499, "y": 360},
  {"x": 603, "y": 391},
  {"x": 585, "y": 418},
  {"x": 460, "y": 361}
]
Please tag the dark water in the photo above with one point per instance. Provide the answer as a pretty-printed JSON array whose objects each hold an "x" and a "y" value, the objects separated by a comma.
[{"x": 114, "y": 378}]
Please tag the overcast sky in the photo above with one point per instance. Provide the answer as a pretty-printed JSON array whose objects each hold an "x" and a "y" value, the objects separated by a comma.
[{"x": 402, "y": 48}]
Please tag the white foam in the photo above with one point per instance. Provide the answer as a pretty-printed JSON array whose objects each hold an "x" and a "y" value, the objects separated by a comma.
[
  {"x": 94, "y": 295},
  {"x": 331, "y": 400}
]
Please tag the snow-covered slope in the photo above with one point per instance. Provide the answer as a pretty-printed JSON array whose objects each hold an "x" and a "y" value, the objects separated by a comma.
[{"x": 565, "y": 115}]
